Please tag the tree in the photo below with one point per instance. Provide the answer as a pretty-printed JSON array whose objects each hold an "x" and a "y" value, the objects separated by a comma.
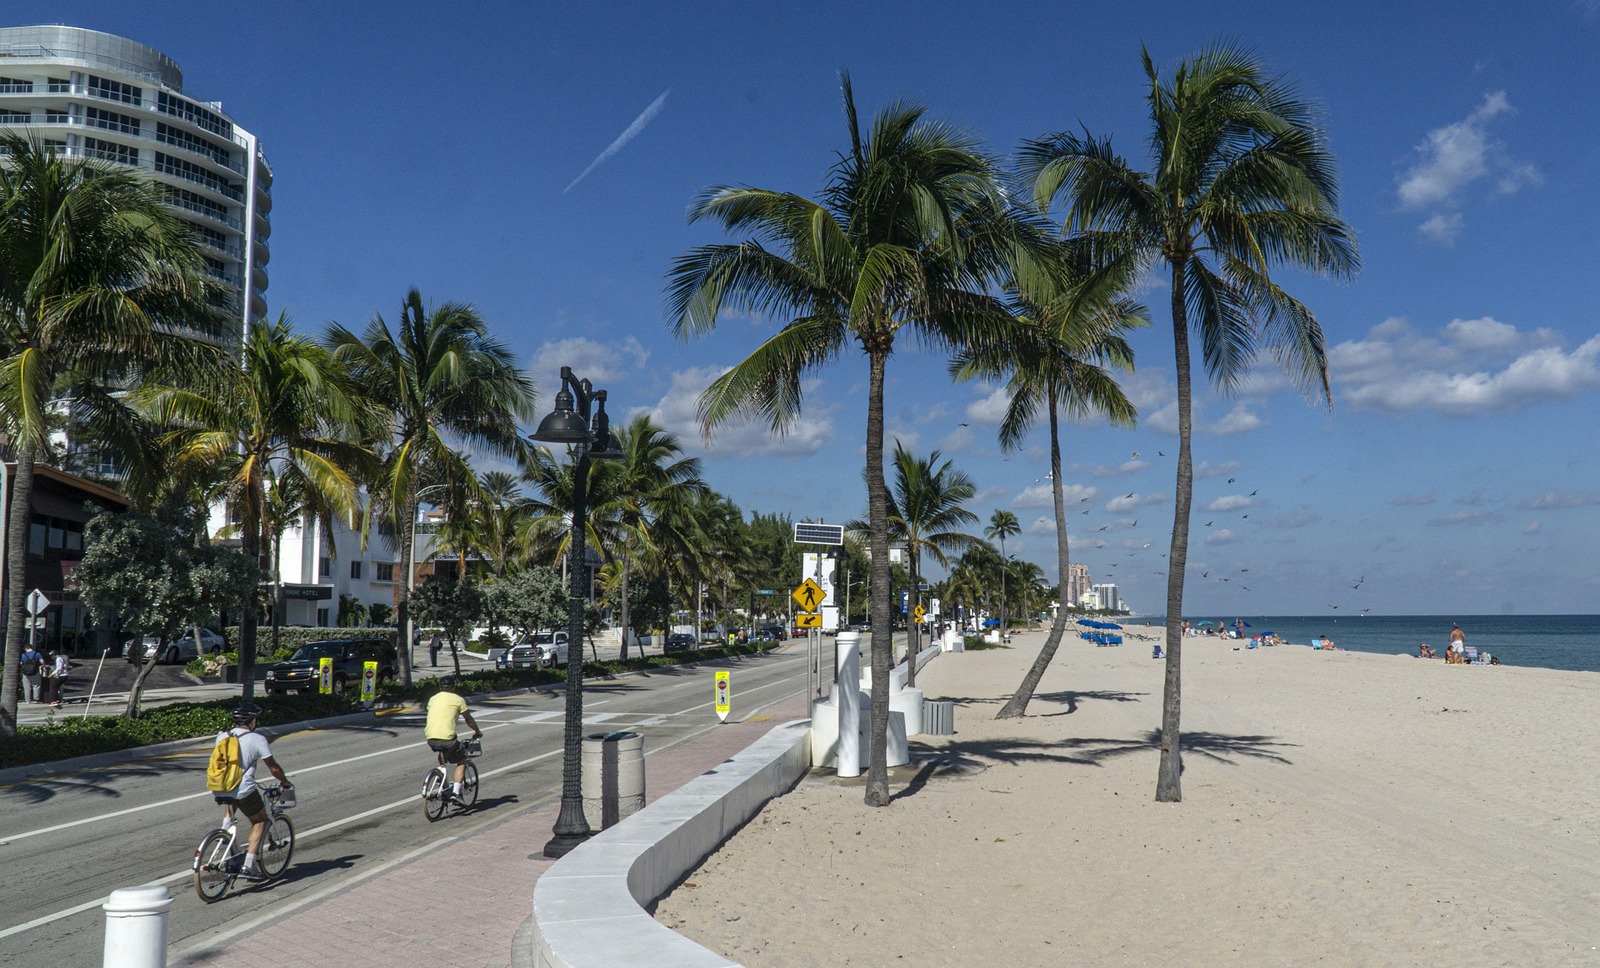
[
  {"x": 97, "y": 278},
  {"x": 158, "y": 574},
  {"x": 284, "y": 418},
  {"x": 1056, "y": 361},
  {"x": 1002, "y": 525},
  {"x": 454, "y": 606},
  {"x": 1242, "y": 181},
  {"x": 925, "y": 509},
  {"x": 437, "y": 373},
  {"x": 528, "y": 600},
  {"x": 910, "y": 234}
]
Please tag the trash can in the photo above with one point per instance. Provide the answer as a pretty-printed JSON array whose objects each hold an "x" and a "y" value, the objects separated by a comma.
[
  {"x": 230, "y": 672},
  {"x": 613, "y": 777}
]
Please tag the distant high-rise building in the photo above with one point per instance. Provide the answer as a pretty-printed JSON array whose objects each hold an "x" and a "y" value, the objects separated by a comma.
[
  {"x": 1077, "y": 583},
  {"x": 89, "y": 94},
  {"x": 1109, "y": 599}
]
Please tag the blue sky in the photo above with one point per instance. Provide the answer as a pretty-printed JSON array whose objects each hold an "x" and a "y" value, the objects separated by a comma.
[{"x": 537, "y": 160}]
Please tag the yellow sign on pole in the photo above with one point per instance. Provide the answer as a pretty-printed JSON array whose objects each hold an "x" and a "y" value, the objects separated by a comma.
[
  {"x": 808, "y": 620},
  {"x": 809, "y": 595},
  {"x": 918, "y": 612},
  {"x": 325, "y": 675},
  {"x": 369, "y": 681},
  {"x": 724, "y": 696}
]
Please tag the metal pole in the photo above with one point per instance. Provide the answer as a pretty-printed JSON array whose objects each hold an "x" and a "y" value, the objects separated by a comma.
[
  {"x": 572, "y": 828},
  {"x": 94, "y": 685}
]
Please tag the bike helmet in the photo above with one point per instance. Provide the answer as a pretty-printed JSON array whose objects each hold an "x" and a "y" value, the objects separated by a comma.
[
  {"x": 247, "y": 712},
  {"x": 447, "y": 682}
]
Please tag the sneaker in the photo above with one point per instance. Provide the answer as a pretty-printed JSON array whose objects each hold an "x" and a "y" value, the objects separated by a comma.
[{"x": 252, "y": 874}]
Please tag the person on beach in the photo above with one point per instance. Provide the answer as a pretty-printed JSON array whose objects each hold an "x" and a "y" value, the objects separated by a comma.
[
  {"x": 1425, "y": 651},
  {"x": 1323, "y": 642},
  {"x": 1458, "y": 641}
]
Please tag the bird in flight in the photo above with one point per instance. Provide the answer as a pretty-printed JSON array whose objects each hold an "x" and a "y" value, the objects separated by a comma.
[
  {"x": 1085, "y": 511},
  {"x": 1247, "y": 515},
  {"x": 1252, "y": 493},
  {"x": 961, "y": 425},
  {"x": 1232, "y": 479},
  {"x": 1161, "y": 453},
  {"x": 1205, "y": 574},
  {"x": 1129, "y": 494},
  {"x": 1208, "y": 524},
  {"x": 1135, "y": 455},
  {"x": 1333, "y": 606},
  {"x": 1245, "y": 587}
]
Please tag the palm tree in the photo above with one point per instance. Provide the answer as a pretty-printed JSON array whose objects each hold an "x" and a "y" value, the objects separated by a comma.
[
  {"x": 910, "y": 233},
  {"x": 437, "y": 372},
  {"x": 1242, "y": 180},
  {"x": 284, "y": 411},
  {"x": 925, "y": 509},
  {"x": 1002, "y": 525},
  {"x": 1055, "y": 361},
  {"x": 97, "y": 279},
  {"x": 631, "y": 494}
]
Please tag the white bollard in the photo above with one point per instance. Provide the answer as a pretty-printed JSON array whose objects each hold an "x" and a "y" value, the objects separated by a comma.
[
  {"x": 136, "y": 927},
  {"x": 847, "y": 663}
]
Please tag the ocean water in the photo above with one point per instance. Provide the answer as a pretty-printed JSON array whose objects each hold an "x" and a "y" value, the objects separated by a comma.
[{"x": 1550, "y": 641}]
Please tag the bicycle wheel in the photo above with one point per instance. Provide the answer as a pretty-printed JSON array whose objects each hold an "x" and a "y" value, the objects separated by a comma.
[
  {"x": 211, "y": 876},
  {"x": 433, "y": 795},
  {"x": 469, "y": 787},
  {"x": 277, "y": 846}
]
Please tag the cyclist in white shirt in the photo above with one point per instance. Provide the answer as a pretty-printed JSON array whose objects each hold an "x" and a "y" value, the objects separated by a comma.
[{"x": 253, "y": 749}]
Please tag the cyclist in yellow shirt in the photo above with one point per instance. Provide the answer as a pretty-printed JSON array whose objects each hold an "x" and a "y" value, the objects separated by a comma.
[{"x": 440, "y": 731}]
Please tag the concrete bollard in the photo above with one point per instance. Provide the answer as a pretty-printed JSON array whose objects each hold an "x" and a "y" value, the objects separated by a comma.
[
  {"x": 847, "y": 675},
  {"x": 136, "y": 927}
]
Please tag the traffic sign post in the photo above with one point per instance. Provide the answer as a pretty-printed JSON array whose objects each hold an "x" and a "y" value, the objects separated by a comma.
[
  {"x": 724, "y": 696},
  {"x": 919, "y": 612},
  {"x": 325, "y": 675},
  {"x": 809, "y": 597},
  {"x": 37, "y": 602},
  {"x": 807, "y": 620}
]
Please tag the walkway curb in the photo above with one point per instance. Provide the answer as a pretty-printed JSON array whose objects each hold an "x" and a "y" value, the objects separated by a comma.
[{"x": 589, "y": 907}]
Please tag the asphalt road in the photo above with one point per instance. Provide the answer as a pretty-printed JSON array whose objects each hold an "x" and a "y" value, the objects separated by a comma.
[{"x": 67, "y": 841}]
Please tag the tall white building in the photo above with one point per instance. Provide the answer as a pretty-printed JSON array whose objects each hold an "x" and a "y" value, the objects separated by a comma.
[{"x": 95, "y": 95}]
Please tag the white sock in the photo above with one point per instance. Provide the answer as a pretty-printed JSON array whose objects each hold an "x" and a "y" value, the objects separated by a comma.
[
  {"x": 249, "y": 862},
  {"x": 456, "y": 788}
]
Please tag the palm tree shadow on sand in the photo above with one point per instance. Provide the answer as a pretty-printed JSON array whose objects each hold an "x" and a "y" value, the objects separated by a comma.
[{"x": 963, "y": 759}]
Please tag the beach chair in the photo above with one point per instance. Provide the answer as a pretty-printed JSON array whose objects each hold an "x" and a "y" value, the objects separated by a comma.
[
  {"x": 1158, "y": 654},
  {"x": 1470, "y": 654}
]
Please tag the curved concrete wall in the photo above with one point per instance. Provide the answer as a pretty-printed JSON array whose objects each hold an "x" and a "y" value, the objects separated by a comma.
[{"x": 589, "y": 907}]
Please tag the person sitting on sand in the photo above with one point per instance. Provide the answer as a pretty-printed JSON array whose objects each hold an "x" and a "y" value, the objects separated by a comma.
[
  {"x": 1425, "y": 651},
  {"x": 1323, "y": 642}
]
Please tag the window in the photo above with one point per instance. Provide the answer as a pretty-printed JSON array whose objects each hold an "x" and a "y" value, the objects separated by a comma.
[
  {"x": 112, "y": 121},
  {"x": 355, "y": 569},
  {"x": 179, "y": 108},
  {"x": 58, "y": 535},
  {"x": 385, "y": 570},
  {"x": 322, "y": 615},
  {"x": 36, "y": 538},
  {"x": 324, "y": 567},
  {"x": 115, "y": 90},
  {"x": 110, "y": 151},
  {"x": 15, "y": 116},
  {"x": 15, "y": 85}
]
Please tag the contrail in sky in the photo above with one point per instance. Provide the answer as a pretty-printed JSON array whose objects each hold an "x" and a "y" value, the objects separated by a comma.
[{"x": 644, "y": 118}]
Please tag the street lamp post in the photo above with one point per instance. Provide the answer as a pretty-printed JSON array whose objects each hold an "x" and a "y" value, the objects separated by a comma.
[
  {"x": 570, "y": 423},
  {"x": 410, "y": 631}
]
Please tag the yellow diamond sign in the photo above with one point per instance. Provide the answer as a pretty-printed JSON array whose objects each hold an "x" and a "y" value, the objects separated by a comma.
[
  {"x": 919, "y": 611},
  {"x": 809, "y": 595}
]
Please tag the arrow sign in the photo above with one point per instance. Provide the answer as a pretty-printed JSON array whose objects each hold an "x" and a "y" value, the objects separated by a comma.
[
  {"x": 724, "y": 696},
  {"x": 919, "y": 611},
  {"x": 808, "y": 620},
  {"x": 809, "y": 595},
  {"x": 37, "y": 602}
]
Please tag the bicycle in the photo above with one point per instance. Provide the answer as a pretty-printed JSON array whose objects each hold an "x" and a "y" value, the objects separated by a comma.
[
  {"x": 437, "y": 781},
  {"x": 219, "y": 860}
]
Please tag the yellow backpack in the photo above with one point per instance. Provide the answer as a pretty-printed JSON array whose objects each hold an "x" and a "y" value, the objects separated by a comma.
[{"x": 226, "y": 769}]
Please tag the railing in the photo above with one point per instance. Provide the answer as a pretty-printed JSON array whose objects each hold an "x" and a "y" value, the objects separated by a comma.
[
  {"x": 184, "y": 203},
  {"x": 24, "y": 87},
  {"x": 217, "y": 157},
  {"x": 121, "y": 126},
  {"x": 167, "y": 168}
]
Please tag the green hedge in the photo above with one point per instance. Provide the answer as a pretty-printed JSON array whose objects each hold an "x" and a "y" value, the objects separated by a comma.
[{"x": 77, "y": 736}]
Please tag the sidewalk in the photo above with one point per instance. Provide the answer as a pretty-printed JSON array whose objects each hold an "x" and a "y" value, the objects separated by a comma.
[{"x": 465, "y": 902}]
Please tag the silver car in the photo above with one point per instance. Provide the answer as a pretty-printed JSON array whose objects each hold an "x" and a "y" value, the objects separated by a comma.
[{"x": 181, "y": 649}]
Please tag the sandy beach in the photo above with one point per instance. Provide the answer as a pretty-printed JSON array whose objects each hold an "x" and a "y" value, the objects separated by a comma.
[{"x": 1339, "y": 808}]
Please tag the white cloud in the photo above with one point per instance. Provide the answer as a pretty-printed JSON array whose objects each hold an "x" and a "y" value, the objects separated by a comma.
[
  {"x": 1453, "y": 157},
  {"x": 1221, "y": 536},
  {"x": 1409, "y": 499},
  {"x": 676, "y": 412},
  {"x": 601, "y": 363},
  {"x": 1229, "y": 502},
  {"x": 1557, "y": 501},
  {"x": 1036, "y": 496},
  {"x": 1469, "y": 367},
  {"x": 1239, "y": 420},
  {"x": 957, "y": 441},
  {"x": 1465, "y": 517},
  {"x": 1532, "y": 528},
  {"x": 1042, "y": 524},
  {"x": 1208, "y": 469},
  {"x": 991, "y": 409}
]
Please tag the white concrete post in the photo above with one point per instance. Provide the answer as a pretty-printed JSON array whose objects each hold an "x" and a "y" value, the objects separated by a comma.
[
  {"x": 847, "y": 696},
  {"x": 136, "y": 927}
]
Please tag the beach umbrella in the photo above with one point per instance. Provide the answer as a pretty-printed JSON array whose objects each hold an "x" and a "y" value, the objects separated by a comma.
[
  {"x": 990, "y": 623},
  {"x": 1112, "y": 625},
  {"x": 1206, "y": 622}
]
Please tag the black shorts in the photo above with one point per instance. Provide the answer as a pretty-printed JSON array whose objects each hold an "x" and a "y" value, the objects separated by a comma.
[
  {"x": 449, "y": 749},
  {"x": 251, "y": 804}
]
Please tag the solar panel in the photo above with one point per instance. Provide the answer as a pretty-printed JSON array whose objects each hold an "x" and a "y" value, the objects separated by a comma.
[{"x": 822, "y": 534}]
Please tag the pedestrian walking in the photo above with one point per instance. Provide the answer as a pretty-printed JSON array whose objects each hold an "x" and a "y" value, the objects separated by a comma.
[
  {"x": 61, "y": 668},
  {"x": 30, "y": 665},
  {"x": 433, "y": 649}
]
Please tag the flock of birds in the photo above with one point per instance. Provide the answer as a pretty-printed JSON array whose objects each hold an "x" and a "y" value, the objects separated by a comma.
[{"x": 1205, "y": 574}]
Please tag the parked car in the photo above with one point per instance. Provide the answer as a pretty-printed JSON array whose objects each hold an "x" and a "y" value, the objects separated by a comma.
[
  {"x": 678, "y": 642},
  {"x": 539, "y": 650},
  {"x": 299, "y": 672},
  {"x": 770, "y": 633},
  {"x": 181, "y": 649}
]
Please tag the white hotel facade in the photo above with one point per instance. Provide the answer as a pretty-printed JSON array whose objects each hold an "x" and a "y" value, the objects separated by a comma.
[{"x": 90, "y": 94}]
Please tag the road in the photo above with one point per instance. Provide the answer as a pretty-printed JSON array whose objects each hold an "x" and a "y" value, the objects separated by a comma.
[{"x": 67, "y": 841}]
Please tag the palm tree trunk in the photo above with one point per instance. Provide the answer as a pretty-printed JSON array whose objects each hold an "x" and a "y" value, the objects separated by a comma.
[
  {"x": 913, "y": 600},
  {"x": 408, "y": 537},
  {"x": 625, "y": 615},
  {"x": 1169, "y": 788},
  {"x": 1018, "y": 705},
  {"x": 882, "y": 649},
  {"x": 17, "y": 524},
  {"x": 254, "y": 525}
]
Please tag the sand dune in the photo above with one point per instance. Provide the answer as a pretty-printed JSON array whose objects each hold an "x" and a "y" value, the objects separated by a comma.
[{"x": 1339, "y": 809}]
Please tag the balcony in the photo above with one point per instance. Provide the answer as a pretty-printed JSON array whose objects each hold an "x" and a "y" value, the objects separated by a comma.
[{"x": 210, "y": 184}]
